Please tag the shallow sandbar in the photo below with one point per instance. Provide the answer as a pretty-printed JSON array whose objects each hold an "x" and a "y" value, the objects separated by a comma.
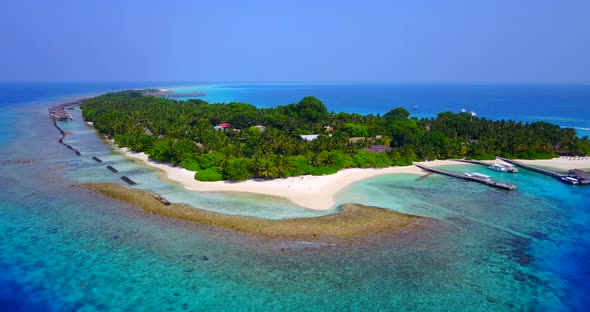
[{"x": 351, "y": 222}]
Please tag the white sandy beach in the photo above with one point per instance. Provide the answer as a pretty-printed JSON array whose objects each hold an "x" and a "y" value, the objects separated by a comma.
[
  {"x": 561, "y": 163},
  {"x": 313, "y": 192}
]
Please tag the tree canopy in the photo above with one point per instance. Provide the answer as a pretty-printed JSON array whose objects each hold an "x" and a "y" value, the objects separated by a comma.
[{"x": 183, "y": 133}]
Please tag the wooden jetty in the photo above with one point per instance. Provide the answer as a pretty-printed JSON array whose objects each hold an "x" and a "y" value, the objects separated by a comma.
[
  {"x": 471, "y": 161},
  {"x": 61, "y": 140},
  {"x": 60, "y": 112},
  {"x": 582, "y": 177},
  {"x": 503, "y": 186},
  {"x": 60, "y": 131},
  {"x": 127, "y": 180},
  {"x": 533, "y": 168},
  {"x": 510, "y": 169}
]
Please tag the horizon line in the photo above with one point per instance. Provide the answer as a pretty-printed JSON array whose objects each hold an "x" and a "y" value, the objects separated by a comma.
[{"x": 305, "y": 82}]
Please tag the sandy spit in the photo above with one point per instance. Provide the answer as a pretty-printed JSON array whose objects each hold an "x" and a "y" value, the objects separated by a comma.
[{"x": 353, "y": 220}]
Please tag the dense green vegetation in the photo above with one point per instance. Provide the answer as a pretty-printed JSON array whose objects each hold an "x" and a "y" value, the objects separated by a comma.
[{"x": 183, "y": 133}]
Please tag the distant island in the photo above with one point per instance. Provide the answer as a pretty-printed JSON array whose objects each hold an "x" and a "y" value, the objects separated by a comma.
[{"x": 239, "y": 141}]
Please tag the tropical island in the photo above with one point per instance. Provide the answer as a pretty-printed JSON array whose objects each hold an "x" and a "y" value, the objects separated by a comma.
[
  {"x": 301, "y": 151},
  {"x": 238, "y": 141}
]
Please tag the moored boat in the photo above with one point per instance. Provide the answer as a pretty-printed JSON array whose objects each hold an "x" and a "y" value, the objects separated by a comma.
[
  {"x": 503, "y": 167},
  {"x": 478, "y": 176},
  {"x": 498, "y": 167},
  {"x": 570, "y": 180}
]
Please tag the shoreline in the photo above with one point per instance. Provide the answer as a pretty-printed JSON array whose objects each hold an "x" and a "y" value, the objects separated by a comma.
[
  {"x": 311, "y": 192},
  {"x": 563, "y": 163},
  {"x": 560, "y": 164},
  {"x": 316, "y": 192},
  {"x": 351, "y": 222}
]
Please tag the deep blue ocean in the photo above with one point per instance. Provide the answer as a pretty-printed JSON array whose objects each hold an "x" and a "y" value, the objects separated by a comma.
[
  {"x": 564, "y": 105},
  {"x": 63, "y": 248}
]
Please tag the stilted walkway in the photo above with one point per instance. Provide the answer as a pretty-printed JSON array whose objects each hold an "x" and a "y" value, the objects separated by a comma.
[
  {"x": 503, "y": 186},
  {"x": 556, "y": 175},
  {"x": 476, "y": 162},
  {"x": 61, "y": 140},
  {"x": 60, "y": 112},
  {"x": 535, "y": 169}
]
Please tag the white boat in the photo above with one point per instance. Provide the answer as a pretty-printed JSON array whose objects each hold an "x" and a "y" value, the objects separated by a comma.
[
  {"x": 503, "y": 167},
  {"x": 570, "y": 180},
  {"x": 498, "y": 167},
  {"x": 478, "y": 176}
]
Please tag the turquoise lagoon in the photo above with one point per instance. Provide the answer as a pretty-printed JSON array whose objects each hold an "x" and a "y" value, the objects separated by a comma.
[{"x": 64, "y": 248}]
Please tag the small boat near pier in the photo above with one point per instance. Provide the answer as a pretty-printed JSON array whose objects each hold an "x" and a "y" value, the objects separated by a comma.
[
  {"x": 475, "y": 177},
  {"x": 573, "y": 176},
  {"x": 570, "y": 180},
  {"x": 478, "y": 176},
  {"x": 503, "y": 167}
]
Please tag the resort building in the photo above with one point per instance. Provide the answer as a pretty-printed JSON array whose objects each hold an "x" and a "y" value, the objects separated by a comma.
[
  {"x": 222, "y": 126},
  {"x": 309, "y": 137},
  {"x": 260, "y": 127},
  {"x": 378, "y": 149}
]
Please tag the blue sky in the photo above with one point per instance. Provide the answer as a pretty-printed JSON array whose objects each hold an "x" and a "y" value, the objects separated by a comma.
[{"x": 240, "y": 41}]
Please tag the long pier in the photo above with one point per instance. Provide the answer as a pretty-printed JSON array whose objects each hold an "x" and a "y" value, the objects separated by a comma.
[
  {"x": 470, "y": 161},
  {"x": 483, "y": 163},
  {"x": 503, "y": 186},
  {"x": 535, "y": 169},
  {"x": 60, "y": 112},
  {"x": 583, "y": 180},
  {"x": 61, "y": 140}
]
